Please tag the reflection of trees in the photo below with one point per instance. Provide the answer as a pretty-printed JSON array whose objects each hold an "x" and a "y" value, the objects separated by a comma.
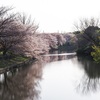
[
  {"x": 88, "y": 85},
  {"x": 58, "y": 57},
  {"x": 23, "y": 85},
  {"x": 90, "y": 82}
]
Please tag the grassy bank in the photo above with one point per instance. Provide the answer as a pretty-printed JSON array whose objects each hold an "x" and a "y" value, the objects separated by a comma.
[{"x": 11, "y": 61}]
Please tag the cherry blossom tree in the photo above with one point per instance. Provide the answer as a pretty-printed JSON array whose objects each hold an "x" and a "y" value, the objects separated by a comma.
[{"x": 14, "y": 33}]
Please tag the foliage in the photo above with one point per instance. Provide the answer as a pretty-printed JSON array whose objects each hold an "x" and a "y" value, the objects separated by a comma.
[
  {"x": 11, "y": 61},
  {"x": 17, "y": 36},
  {"x": 96, "y": 54},
  {"x": 14, "y": 32},
  {"x": 88, "y": 35}
]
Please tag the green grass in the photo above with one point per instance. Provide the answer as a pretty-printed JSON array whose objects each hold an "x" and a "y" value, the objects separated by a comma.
[{"x": 12, "y": 61}]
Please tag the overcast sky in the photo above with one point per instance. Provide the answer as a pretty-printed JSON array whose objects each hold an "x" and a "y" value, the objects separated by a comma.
[{"x": 56, "y": 15}]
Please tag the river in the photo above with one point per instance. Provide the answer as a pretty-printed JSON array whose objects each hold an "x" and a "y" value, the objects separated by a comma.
[{"x": 55, "y": 76}]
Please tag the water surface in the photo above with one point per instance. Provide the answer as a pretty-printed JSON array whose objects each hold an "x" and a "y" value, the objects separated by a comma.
[
  {"x": 76, "y": 78},
  {"x": 54, "y": 77}
]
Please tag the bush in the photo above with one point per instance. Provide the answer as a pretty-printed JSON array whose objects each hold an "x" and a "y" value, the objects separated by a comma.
[{"x": 96, "y": 53}]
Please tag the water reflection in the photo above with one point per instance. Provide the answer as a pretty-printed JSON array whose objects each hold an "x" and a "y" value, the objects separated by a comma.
[
  {"x": 58, "y": 56},
  {"x": 23, "y": 83},
  {"x": 90, "y": 82}
]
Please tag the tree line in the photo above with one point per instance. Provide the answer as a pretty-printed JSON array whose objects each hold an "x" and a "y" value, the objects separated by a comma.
[
  {"x": 88, "y": 36},
  {"x": 18, "y": 36}
]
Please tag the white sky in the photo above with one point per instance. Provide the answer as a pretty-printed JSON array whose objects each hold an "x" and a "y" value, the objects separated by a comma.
[{"x": 56, "y": 15}]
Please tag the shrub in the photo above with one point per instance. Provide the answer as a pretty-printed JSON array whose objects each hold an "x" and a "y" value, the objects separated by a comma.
[{"x": 96, "y": 53}]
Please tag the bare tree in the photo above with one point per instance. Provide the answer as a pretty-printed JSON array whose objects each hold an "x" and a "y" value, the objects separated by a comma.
[
  {"x": 85, "y": 23},
  {"x": 4, "y": 10},
  {"x": 28, "y": 22}
]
